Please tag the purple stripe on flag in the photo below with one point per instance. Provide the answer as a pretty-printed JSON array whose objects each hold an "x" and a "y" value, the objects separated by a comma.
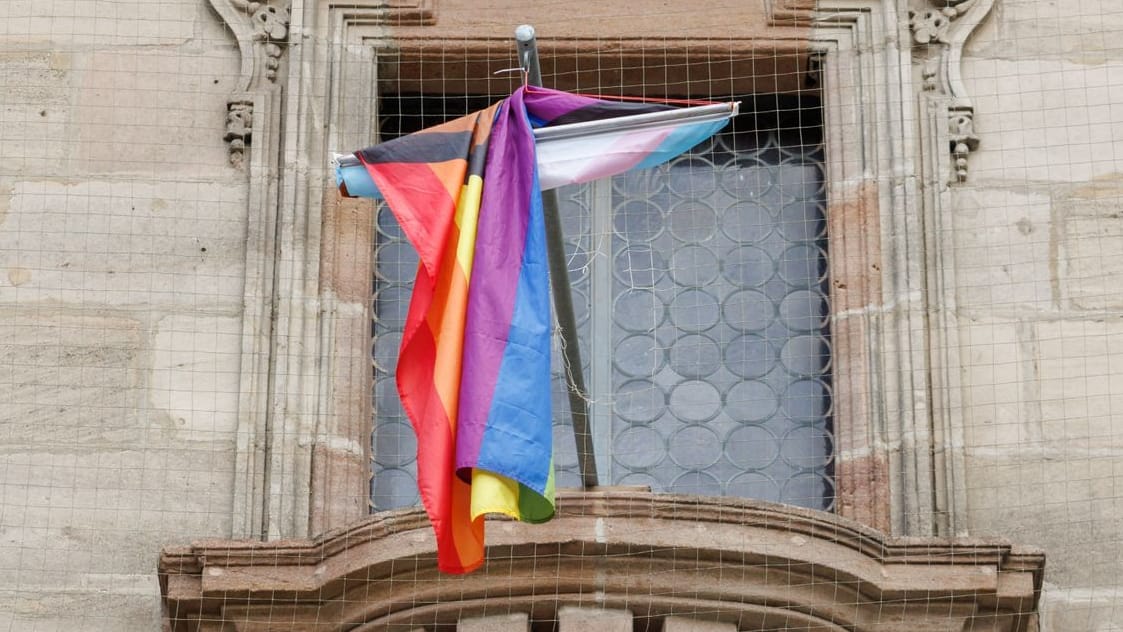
[{"x": 508, "y": 184}]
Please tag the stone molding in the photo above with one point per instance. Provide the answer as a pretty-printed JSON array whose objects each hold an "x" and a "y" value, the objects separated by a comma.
[
  {"x": 756, "y": 565},
  {"x": 940, "y": 32}
]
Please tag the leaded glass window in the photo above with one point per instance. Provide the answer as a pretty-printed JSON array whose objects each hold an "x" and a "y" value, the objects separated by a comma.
[{"x": 701, "y": 297}]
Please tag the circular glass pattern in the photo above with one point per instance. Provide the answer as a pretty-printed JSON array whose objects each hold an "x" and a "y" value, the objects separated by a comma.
[
  {"x": 395, "y": 443},
  {"x": 695, "y": 310},
  {"x": 750, "y": 356},
  {"x": 638, "y": 447},
  {"x": 748, "y": 310},
  {"x": 641, "y": 478},
  {"x": 574, "y": 212},
  {"x": 803, "y": 265},
  {"x": 807, "y": 447},
  {"x": 807, "y": 400},
  {"x": 697, "y": 483},
  {"x": 695, "y": 400},
  {"x": 751, "y": 447},
  {"x": 638, "y": 355},
  {"x": 747, "y": 180},
  {"x": 638, "y": 265},
  {"x": 639, "y": 401},
  {"x": 800, "y": 181},
  {"x": 565, "y": 448},
  {"x": 391, "y": 304},
  {"x": 396, "y": 262},
  {"x": 751, "y": 400},
  {"x": 692, "y": 222},
  {"x": 638, "y": 310},
  {"x": 747, "y": 222},
  {"x": 388, "y": 224},
  {"x": 694, "y": 266},
  {"x": 692, "y": 176},
  {"x": 695, "y": 356},
  {"x": 754, "y": 485},
  {"x": 393, "y": 488},
  {"x": 747, "y": 266},
  {"x": 804, "y": 310},
  {"x": 386, "y": 351},
  {"x": 806, "y": 355},
  {"x": 802, "y": 221},
  {"x": 638, "y": 220},
  {"x": 576, "y": 261},
  {"x": 640, "y": 182},
  {"x": 694, "y": 447},
  {"x": 811, "y": 490}
]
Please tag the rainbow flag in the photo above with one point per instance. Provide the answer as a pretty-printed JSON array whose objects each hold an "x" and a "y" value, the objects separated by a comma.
[{"x": 474, "y": 366}]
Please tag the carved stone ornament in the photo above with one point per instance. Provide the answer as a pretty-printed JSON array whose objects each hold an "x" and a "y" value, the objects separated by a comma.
[
  {"x": 239, "y": 127},
  {"x": 941, "y": 28},
  {"x": 262, "y": 31}
]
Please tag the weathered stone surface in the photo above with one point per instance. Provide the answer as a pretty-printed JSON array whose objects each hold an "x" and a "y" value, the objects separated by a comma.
[
  {"x": 194, "y": 385},
  {"x": 129, "y": 120},
  {"x": 1003, "y": 249},
  {"x": 1093, "y": 249},
  {"x": 1045, "y": 119},
  {"x": 1077, "y": 30},
  {"x": 683, "y": 624},
  {"x": 70, "y": 379},
  {"x": 111, "y": 603},
  {"x": 118, "y": 242},
  {"x": 1081, "y": 610},
  {"x": 498, "y": 623},
  {"x": 71, "y": 511},
  {"x": 573, "y": 619},
  {"x": 79, "y": 23},
  {"x": 35, "y": 110},
  {"x": 999, "y": 404},
  {"x": 1065, "y": 502},
  {"x": 1080, "y": 383}
]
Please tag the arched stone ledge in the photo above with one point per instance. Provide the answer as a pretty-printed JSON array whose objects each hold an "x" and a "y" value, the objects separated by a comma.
[{"x": 759, "y": 565}]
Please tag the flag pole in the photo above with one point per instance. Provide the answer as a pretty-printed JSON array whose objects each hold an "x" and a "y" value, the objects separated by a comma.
[{"x": 563, "y": 296}]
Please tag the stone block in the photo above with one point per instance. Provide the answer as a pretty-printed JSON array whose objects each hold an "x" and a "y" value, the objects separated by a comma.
[
  {"x": 173, "y": 244},
  {"x": 130, "y": 119},
  {"x": 73, "y": 23},
  {"x": 518, "y": 622},
  {"x": 683, "y": 624},
  {"x": 1065, "y": 502},
  {"x": 1003, "y": 251},
  {"x": 1045, "y": 120},
  {"x": 1080, "y": 383},
  {"x": 70, "y": 380},
  {"x": 575, "y": 619},
  {"x": 1093, "y": 249},
  {"x": 195, "y": 375},
  {"x": 35, "y": 110},
  {"x": 1000, "y": 408},
  {"x": 1079, "y": 30},
  {"x": 105, "y": 609},
  {"x": 1097, "y": 610},
  {"x": 72, "y": 512}
]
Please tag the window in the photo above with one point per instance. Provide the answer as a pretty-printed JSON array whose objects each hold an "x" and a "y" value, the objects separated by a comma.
[{"x": 701, "y": 298}]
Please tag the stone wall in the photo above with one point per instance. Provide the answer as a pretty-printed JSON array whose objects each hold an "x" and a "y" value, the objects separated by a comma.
[
  {"x": 1038, "y": 237},
  {"x": 122, "y": 232}
]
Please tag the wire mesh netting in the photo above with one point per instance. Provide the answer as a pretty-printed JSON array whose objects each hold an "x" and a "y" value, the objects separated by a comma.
[{"x": 850, "y": 364}]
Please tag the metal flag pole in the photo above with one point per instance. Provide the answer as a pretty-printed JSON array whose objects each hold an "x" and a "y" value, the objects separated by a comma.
[{"x": 563, "y": 297}]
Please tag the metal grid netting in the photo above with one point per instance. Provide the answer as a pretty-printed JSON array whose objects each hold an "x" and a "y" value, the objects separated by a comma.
[{"x": 701, "y": 299}]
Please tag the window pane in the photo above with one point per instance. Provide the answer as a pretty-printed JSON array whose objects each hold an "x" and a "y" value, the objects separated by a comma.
[{"x": 701, "y": 299}]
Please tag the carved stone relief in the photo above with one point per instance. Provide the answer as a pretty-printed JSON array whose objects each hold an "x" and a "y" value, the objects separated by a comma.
[
  {"x": 940, "y": 29},
  {"x": 262, "y": 30}
]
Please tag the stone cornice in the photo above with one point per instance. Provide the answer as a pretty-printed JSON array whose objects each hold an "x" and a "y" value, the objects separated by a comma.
[{"x": 766, "y": 547}]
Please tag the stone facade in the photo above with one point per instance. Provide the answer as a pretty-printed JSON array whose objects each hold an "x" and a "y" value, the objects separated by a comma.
[{"x": 183, "y": 309}]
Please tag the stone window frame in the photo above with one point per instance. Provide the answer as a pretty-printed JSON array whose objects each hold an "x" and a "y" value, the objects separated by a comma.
[{"x": 898, "y": 133}]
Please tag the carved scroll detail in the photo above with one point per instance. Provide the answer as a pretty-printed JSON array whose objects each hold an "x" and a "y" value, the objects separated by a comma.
[
  {"x": 940, "y": 29},
  {"x": 262, "y": 30}
]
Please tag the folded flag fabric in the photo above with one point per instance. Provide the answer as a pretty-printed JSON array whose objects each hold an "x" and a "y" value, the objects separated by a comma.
[{"x": 474, "y": 366}]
